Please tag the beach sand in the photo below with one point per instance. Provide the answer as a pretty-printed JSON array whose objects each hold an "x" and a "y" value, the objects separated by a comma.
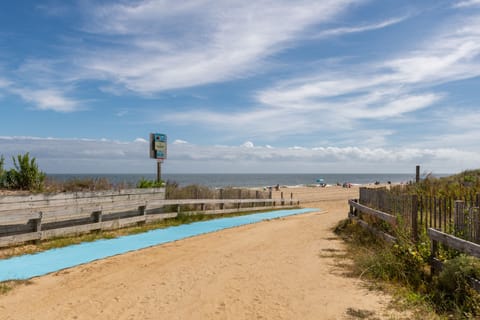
[{"x": 279, "y": 269}]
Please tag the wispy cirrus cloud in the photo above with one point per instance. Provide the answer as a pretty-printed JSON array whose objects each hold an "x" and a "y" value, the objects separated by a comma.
[
  {"x": 47, "y": 99},
  {"x": 389, "y": 90},
  {"x": 467, "y": 3},
  {"x": 361, "y": 28},
  {"x": 194, "y": 43}
]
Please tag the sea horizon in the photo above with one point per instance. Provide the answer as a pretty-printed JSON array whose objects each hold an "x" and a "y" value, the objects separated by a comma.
[{"x": 218, "y": 180}]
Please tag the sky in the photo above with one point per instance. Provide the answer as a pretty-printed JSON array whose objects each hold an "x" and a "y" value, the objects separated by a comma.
[{"x": 332, "y": 86}]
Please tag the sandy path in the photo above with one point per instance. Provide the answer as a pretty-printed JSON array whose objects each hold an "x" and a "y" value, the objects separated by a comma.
[{"x": 278, "y": 269}]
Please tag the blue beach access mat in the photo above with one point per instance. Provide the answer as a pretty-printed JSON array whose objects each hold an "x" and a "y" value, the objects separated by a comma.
[{"x": 32, "y": 265}]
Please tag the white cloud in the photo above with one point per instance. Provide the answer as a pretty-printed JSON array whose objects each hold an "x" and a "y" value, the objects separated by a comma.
[
  {"x": 248, "y": 144},
  {"x": 357, "y": 29},
  {"x": 179, "y": 141},
  {"x": 47, "y": 99},
  {"x": 107, "y": 156},
  {"x": 140, "y": 140},
  {"x": 189, "y": 43},
  {"x": 467, "y": 3}
]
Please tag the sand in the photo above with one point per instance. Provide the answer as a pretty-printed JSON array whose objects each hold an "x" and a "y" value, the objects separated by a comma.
[{"x": 279, "y": 269}]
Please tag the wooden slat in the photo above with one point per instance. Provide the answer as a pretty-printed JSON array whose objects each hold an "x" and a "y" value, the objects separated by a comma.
[
  {"x": 383, "y": 235},
  {"x": 18, "y": 218},
  {"x": 19, "y": 238},
  {"x": 49, "y": 204},
  {"x": 74, "y": 195},
  {"x": 377, "y": 213},
  {"x": 454, "y": 242}
]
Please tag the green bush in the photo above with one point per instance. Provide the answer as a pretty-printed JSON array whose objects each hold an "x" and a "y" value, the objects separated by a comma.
[
  {"x": 24, "y": 176},
  {"x": 144, "y": 183},
  {"x": 452, "y": 287},
  {"x": 450, "y": 292}
]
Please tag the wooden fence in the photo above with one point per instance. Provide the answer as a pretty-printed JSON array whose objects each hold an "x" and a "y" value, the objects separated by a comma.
[
  {"x": 458, "y": 230},
  {"x": 44, "y": 216},
  {"x": 457, "y": 217}
]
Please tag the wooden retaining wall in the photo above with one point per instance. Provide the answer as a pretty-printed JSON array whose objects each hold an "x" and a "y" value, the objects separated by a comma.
[{"x": 45, "y": 216}]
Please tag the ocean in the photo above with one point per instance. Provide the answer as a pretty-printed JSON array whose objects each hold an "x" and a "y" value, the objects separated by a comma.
[{"x": 247, "y": 180}]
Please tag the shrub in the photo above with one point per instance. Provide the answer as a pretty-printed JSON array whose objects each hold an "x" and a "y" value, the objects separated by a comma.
[
  {"x": 25, "y": 175},
  {"x": 453, "y": 290},
  {"x": 144, "y": 183}
]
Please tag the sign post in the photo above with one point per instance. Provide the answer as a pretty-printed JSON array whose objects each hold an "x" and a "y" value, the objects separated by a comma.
[{"x": 158, "y": 150}]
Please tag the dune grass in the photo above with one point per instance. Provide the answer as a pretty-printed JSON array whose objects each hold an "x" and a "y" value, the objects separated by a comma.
[{"x": 402, "y": 270}]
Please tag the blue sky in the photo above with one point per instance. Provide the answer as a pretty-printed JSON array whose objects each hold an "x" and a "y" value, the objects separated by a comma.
[{"x": 242, "y": 86}]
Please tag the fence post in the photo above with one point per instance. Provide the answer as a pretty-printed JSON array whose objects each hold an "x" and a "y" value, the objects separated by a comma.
[
  {"x": 291, "y": 198},
  {"x": 351, "y": 213},
  {"x": 459, "y": 218},
  {"x": 97, "y": 217},
  {"x": 415, "y": 217},
  {"x": 433, "y": 254},
  {"x": 37, "y": 226},
  {"x": 281, "y": 196}
]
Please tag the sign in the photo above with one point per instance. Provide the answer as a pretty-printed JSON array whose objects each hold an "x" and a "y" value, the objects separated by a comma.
[{"x": 158, "y": 146}]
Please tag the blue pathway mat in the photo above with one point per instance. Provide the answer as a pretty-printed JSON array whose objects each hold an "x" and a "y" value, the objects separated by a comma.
[{"x": 32, "y": 265}]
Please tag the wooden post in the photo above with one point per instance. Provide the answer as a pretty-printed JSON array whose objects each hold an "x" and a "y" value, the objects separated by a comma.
[
  {"x": 476, "y": 224},
  {"x": 433, "y": 254},
  {"x": 281, "y": 196},
  {"x": 38, "y": 227},
  {"x": 142, "y": 210},
  {"x": 257, "y": 194},
  {"x": 159, "y": 171},
  {"x": 291, "y": 198},
  {"x": 459, "y": 219},
  {"x": 415, "y": 217},
  {"x": 97, "y": 216},
  {"x": 417, "y": 174}
]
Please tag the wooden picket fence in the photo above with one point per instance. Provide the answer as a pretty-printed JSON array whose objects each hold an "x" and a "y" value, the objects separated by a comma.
[
  {"x": 452, "y": 223},
  {"x": 452, "y": 216}
]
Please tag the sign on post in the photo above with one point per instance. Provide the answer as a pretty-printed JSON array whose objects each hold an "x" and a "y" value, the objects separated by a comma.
[
  {"x": 158, "y": 146},
  {"x": 158, "y": 150}
]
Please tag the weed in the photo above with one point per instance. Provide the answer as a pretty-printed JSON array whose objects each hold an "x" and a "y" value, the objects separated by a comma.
[
  {"x": 360, "y": 313},
  {"x": 404, "y": 266},
  {"x": 7, "y": 286}
]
